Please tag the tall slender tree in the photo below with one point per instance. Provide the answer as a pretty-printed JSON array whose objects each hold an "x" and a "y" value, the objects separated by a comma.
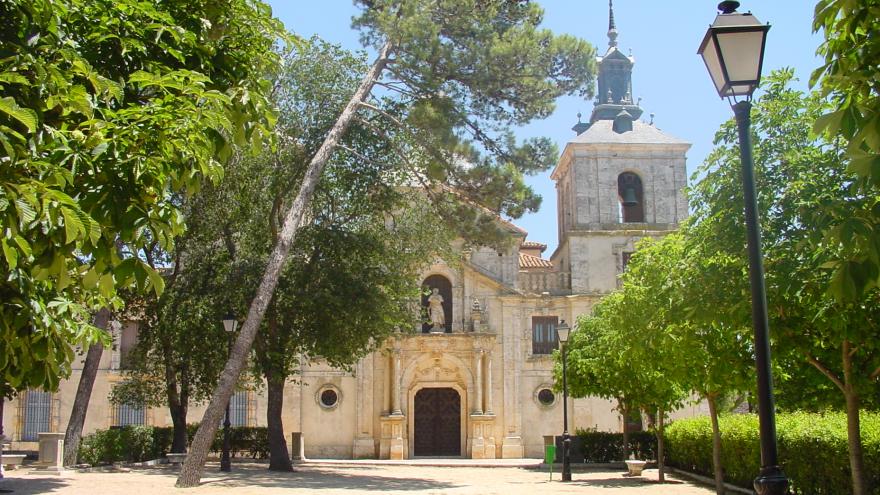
[{"x": 461, "y": 67}]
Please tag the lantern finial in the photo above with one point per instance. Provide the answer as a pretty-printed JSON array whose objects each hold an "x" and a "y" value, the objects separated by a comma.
[{"x": 728, "y": 6}]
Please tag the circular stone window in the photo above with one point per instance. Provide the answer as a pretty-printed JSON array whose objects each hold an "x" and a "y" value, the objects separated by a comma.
[
  {"x": 328, "y": 397},
  {"x": 546, "y": 397}
]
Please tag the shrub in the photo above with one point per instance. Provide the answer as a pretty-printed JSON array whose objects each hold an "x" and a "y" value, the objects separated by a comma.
[
  {"x": 126, "y": 444},
  {"x": 812, "y": 449},
  {"x": 601, "y": 446},
  {"x": 142, "y": 443}
]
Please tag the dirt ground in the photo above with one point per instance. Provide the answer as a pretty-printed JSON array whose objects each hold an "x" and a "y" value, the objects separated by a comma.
[{"x": 333, "y": 479}]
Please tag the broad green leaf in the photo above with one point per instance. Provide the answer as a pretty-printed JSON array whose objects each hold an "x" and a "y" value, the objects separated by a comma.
[
  {"x": 13, "y": 78},
  {"x": 10, "y": 253},
  {"x": 73, "y": 227},
  {"x": 25, "y": 116}
]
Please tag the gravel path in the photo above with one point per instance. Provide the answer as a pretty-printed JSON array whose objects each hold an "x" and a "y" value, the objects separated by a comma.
[{"x": 334, "y": 479}]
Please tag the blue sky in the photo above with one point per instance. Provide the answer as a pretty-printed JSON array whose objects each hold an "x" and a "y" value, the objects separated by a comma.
[{"x": 669, "y": 76}]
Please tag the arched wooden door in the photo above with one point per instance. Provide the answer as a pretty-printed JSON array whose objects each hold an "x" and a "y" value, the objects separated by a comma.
[{"x": 437, "y": 422}]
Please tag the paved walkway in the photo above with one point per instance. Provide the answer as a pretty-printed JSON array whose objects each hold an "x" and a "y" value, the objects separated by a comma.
[{"x": 349, "y": 478}]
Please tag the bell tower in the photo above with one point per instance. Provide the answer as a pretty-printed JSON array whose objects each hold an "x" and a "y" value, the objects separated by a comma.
[{"x": 618, "y": 180}]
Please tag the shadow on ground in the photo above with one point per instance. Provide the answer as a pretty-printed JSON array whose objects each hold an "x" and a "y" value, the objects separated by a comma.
[
  {"x": 354, "y": 478},
  {"x": 621, "y": 482},
  {"x": 32, "y": 486}
]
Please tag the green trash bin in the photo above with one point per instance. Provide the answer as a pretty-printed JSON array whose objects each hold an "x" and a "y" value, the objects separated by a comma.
[{"x": 549, "y": 457}]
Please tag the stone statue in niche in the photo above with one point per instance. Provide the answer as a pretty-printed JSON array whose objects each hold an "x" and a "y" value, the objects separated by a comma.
[{"x": 435, "y": 310}]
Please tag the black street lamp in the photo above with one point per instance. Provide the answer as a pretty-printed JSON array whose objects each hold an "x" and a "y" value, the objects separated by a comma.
[
  {"x": 229, "y": 324},
  {"x": 733, "y": 50},
  {"x": 563, "y": 331}
]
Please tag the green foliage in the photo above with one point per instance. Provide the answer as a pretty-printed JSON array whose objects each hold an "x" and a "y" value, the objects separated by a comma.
[
  {"x": 462, "y": 73},
  {"x": 144, "y": 443},
  {"x": 620, "y": 351},
  {"x": 126, "y": 444},
  {"x": 851, "y": 78},
  {"x": 107, "y": 109},
  {"x": 602, "y": 446},
  {"x": 812, "y": 449}
]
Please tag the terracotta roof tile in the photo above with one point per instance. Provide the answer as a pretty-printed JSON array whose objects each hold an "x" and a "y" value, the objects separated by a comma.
[
  {"x": 529, "y": 261},
  {"x": 534, "y": 245}
]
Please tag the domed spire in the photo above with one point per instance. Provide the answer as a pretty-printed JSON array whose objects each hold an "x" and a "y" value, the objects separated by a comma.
[
  {"x": 612, "y": 28},
  {"x": 614, "y": 79}
]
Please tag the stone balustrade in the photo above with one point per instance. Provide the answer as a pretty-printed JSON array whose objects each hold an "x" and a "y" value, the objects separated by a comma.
[{"x": 553, "y": 282}]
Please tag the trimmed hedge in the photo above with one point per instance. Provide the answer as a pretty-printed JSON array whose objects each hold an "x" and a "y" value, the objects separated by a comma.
[
  {"x": 143, "y": 443},
  {"x": 602, "y": 447},
  {"x": 812, "y": 449}
]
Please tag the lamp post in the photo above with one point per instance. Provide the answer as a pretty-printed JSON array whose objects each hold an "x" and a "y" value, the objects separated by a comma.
[
  {"x": 229, "y": 324},
  {"x": 733, "y": 50},
  {"x": 563, "y": 331}
]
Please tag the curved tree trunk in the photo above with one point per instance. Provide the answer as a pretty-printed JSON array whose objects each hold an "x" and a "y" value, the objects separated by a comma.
[
  {"x": 716, "y": 445},
  {"x": 73, "y": 434},
  {"x": 191, "y": 471},
  {"x": 279, "y": 457}
]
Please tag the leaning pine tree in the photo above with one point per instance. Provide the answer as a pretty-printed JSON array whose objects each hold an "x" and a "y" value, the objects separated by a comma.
[{"x": 467, "y": 68}]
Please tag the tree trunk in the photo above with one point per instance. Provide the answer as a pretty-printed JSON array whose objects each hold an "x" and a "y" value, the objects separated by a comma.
[
  {"x": 661, "y": 463},
  {"x": 178, "y": 400},
  {"x": 716, "y": 445},
  {"x": 191, "y": 471},
  {"x": 73, "y": 434},
  {"x": 626, "y": 412},
  {"x": 279, "y": 458},
  {"x": 2, "y": 438},
  {"x": 853, "y": 427},
  {"x": 178, "y": 420}
]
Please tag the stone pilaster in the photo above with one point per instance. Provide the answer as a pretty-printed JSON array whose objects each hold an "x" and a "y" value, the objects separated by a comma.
[
  {"x": 395, "y": 383},
  {"x": 393, "y": 441},
  {"x": 481, "y": 436},
  {"x": 489, "y": 384},
  {"x": 478, "y": 381}
]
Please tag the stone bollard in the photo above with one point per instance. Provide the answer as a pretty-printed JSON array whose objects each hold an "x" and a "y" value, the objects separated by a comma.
[
  {"x": 51, "y": 453},
  {"x": 297, "y": 446}
]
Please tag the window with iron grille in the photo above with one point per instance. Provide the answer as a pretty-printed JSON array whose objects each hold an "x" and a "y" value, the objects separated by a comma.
[
  {"x": 37, "y": 414},
  {"x": 130, "y": 414},
  {"x": 238, "y": 409},
  {"x": 544, "y": 339}
]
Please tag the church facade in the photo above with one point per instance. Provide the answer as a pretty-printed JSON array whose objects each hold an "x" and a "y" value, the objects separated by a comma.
[{"x": 476, "y": 381}]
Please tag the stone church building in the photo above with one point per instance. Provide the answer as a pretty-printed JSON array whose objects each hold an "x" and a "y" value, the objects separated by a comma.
[{"x": 477, "y": 381}]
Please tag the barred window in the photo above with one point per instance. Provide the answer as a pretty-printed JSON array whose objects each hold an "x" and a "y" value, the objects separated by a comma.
[
  {"x": 238, "y": 409},
  {"x": 37, "y": 414},
  {"x": 544, "y": 339},
  {"x": 130, "y": 414}
]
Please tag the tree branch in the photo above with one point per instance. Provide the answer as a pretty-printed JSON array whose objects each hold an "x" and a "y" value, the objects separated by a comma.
[
  {"x": 382, "y": 113},
  {"x": 875, "y": 374},
  {"x": 828, "y": 373}
]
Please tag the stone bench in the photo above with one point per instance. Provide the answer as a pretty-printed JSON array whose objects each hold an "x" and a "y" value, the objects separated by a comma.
[
  {"x": 175, "y": 458},
  {"x": 11, "y": 461}
]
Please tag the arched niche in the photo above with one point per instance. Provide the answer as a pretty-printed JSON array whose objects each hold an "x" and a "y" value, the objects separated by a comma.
[{"x": 444, "y": 289}]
